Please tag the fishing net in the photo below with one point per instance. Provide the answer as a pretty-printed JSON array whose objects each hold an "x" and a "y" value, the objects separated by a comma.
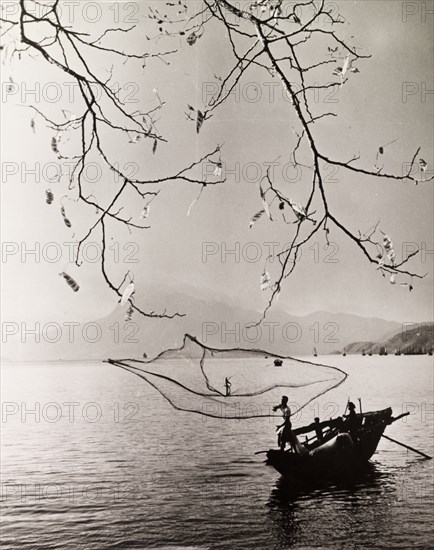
[{"x": 232, "y": 383}]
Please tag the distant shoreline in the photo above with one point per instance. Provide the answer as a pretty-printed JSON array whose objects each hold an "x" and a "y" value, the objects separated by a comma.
[{"x": 311, "y": 358}]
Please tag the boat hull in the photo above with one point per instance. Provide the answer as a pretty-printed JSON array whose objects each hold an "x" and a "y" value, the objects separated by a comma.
[{"x": 339, "y": 454}]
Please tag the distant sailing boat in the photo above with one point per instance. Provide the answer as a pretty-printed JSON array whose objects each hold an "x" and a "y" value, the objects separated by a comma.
[
  {"x": 344, "y": 353},
  {"x": 315, "y": 354},
  {"x": 363, "y": 352},
  {"x": 398, "y": 351}
]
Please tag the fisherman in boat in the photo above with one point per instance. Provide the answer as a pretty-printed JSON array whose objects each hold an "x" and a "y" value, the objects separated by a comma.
[
  {"x": 228, "y": 386},
  {"x": 318, "y": 430},
  {"x": 283, "y": 406},
  {"x": 285, "y": 434},
  {"x": 284, "y": 431},
  {"x": 352, "y": 423}
]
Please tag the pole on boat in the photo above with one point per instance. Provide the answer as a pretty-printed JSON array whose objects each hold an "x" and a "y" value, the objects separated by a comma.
[
  {"x": 360, "y": 404},
  {"x": 406, "y": 446},
  {"x": 399, "y": 417}
]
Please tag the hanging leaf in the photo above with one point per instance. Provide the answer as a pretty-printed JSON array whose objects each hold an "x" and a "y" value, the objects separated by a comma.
[
  {"x": 32, "y": 124},
  {"x": 196, "y": 199},
  {"x": 217, "y": 170},
  {"x": 73, "y": 284},
  {"x": 191, "y": 206},
  {"x": 381, "y": 149},
  {"x": 388, "y": 247},
  {"x": 392, "y": 280},
  {"x": 191, "y": 108},
  {"x": 145, "y": 212},
  {"x": 392, "y": 256},
  {"x": 129, "y": 313},
  {"x": 256, "y": 218},
  {"x": 265, "y": 280},
  {"x": 298, "y": 210},
  {"x": 387, "y": 242},
  {"x": 54, "y": 145},
  {"x": 199, "y": 120},
  {"x": 340, "y": 71},
  {"x": 127, "y": 294},
  {"x": 191, "y": 38},
  {"x": 423, "y": 165},
  {"x": 346, "y": 65},
  {"x": 65, "y": 219},
  {"x": 49, "y": 197},
  {"x": 154, "y": 147}
]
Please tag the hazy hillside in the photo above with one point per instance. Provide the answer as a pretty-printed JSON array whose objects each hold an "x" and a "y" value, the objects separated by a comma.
[
  {"x": 418, "y": 338},
  {"x": 211, "y": 319}
]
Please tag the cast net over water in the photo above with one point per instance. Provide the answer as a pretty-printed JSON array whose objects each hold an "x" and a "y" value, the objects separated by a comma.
[{"x": 232, "y": 383}]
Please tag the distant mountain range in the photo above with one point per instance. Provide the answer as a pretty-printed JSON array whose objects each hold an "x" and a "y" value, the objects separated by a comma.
[
  {"x": 414, "y": 338},
  {"x": 211, "y": 320}
]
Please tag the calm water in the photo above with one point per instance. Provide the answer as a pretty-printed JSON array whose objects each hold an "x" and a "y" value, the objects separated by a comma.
[{"x": 117, "y": 467}]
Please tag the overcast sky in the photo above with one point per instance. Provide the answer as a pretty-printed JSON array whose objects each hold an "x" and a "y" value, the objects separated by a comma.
[{"x": 371, "y": 111}]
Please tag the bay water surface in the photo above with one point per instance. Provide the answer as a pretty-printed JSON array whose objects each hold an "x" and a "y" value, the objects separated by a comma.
[{"x": 93, "y": 458}]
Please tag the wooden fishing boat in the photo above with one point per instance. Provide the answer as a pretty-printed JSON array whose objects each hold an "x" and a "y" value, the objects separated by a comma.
[
  {"x": 339, "y": 451},
  {"x": 278, "y": 362}
]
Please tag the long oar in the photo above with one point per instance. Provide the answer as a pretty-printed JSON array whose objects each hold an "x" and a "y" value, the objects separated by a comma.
[{"x": 407, "y": 446}]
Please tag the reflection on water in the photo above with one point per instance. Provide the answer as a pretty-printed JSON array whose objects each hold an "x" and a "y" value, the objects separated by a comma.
[
  {"x": 144, "y": 476},
  {"x": 366, "y": 510}
]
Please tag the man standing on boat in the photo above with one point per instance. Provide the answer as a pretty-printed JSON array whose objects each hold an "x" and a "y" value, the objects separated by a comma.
[
  {"x": 284, "y": 433},
  {"x": 283, "y": 406},
  {"x": 228, "y": 386}
]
